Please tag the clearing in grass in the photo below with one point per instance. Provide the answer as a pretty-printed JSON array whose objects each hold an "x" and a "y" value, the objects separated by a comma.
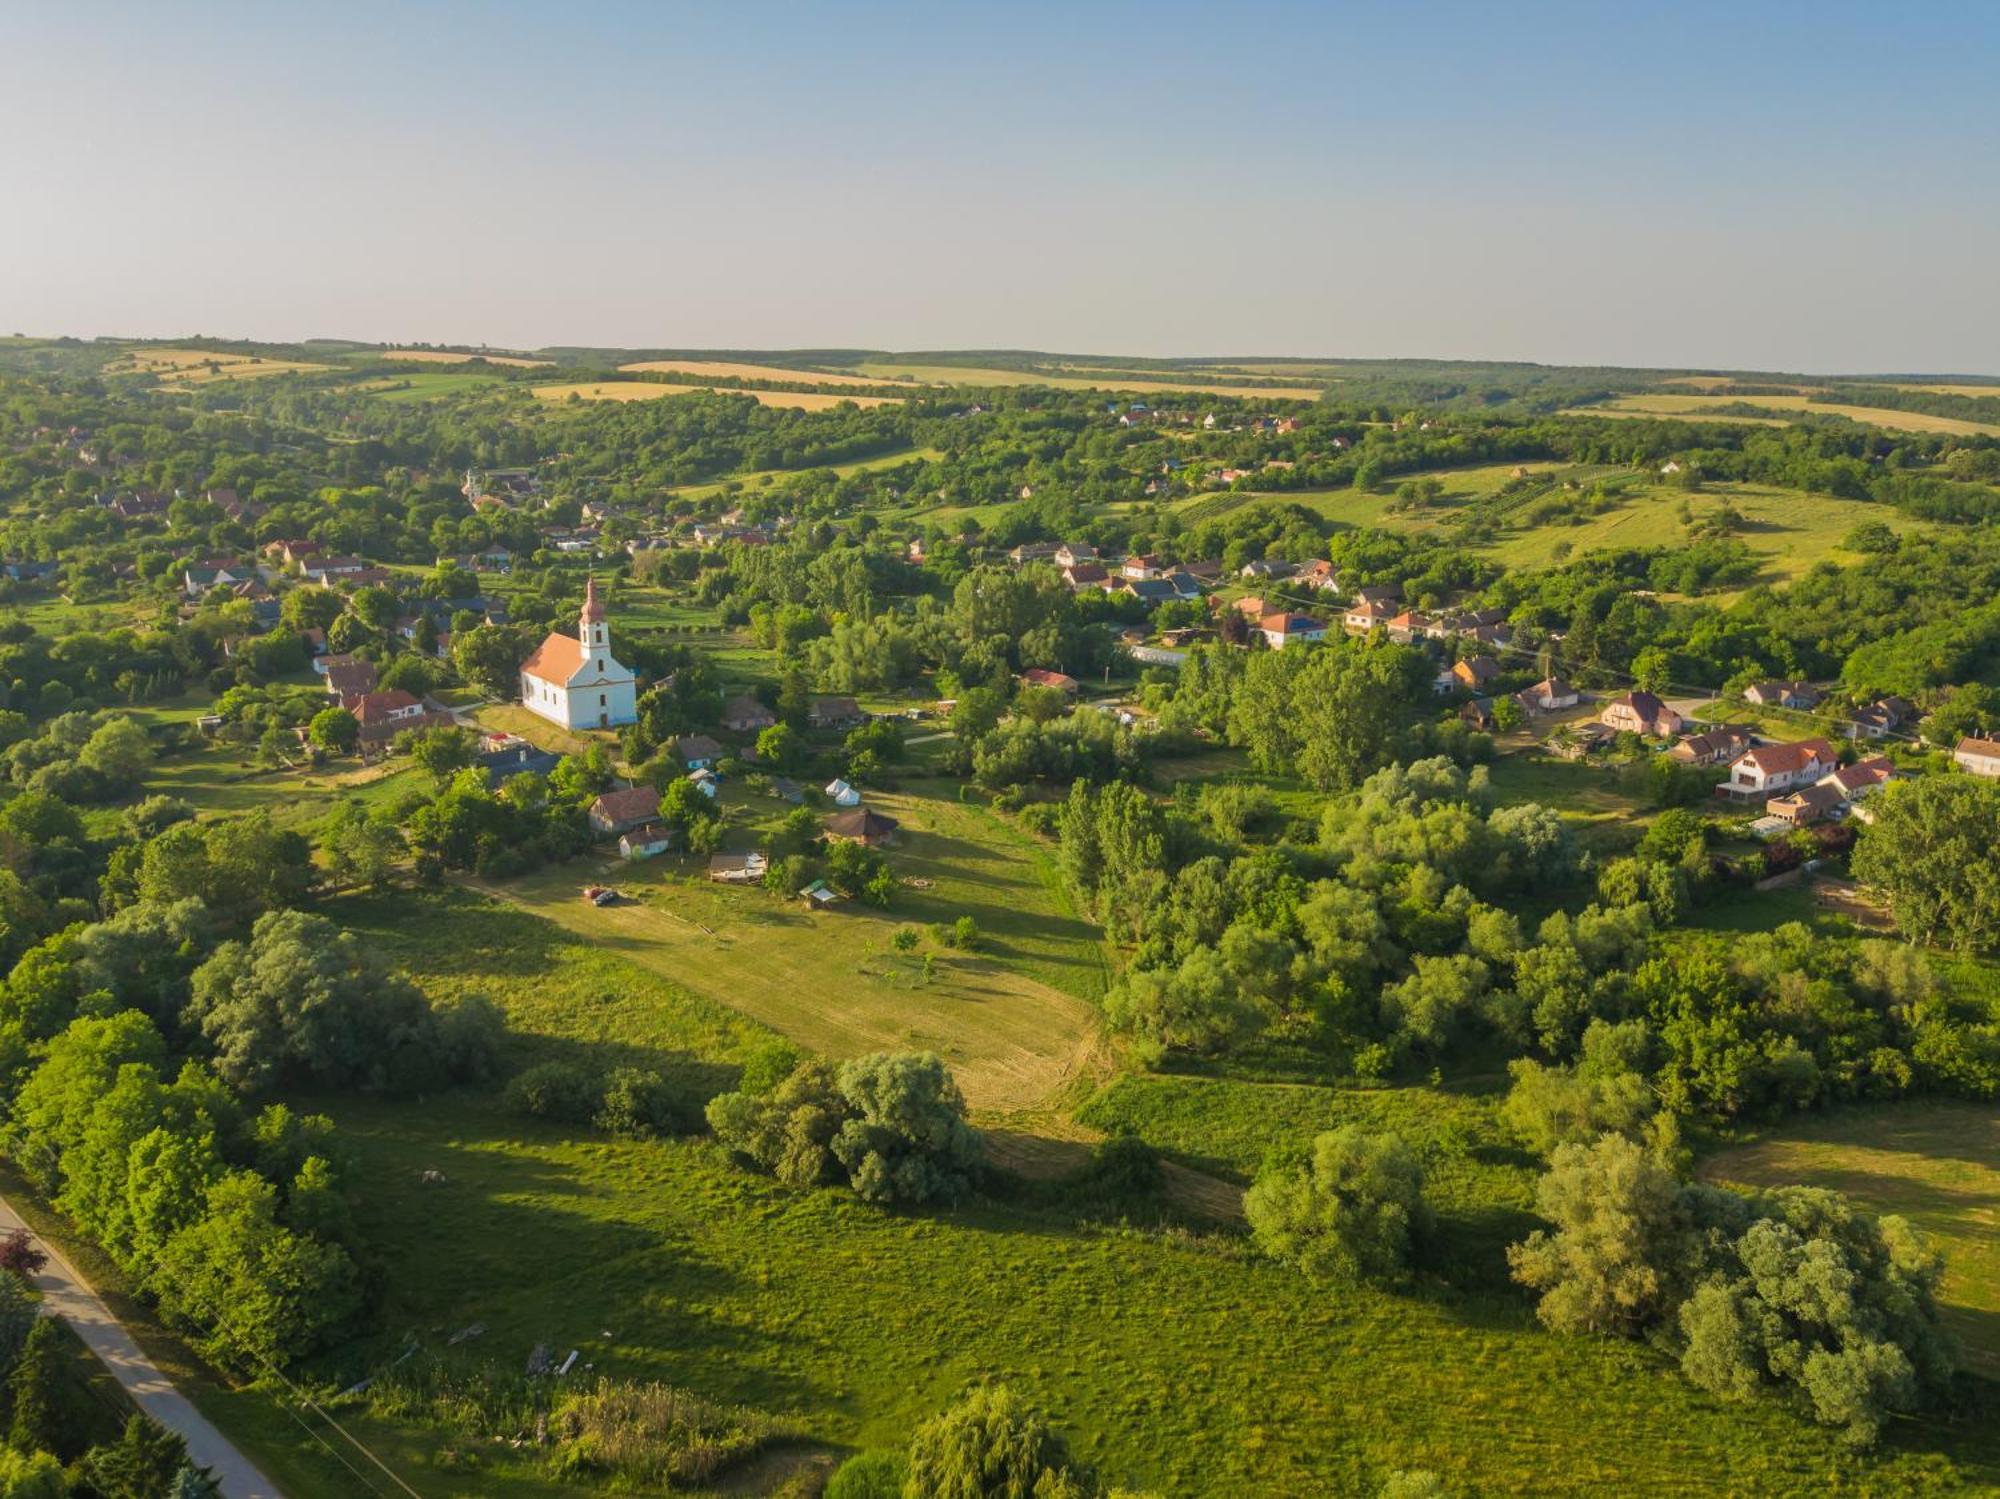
[{"x": 1013, "y": 1018}]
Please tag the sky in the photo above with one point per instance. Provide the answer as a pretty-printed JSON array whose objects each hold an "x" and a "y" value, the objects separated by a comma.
[{"x": 1802, "y": 187}]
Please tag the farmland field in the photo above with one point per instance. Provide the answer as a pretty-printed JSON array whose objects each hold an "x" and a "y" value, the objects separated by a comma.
[
  {"x": 647, "y": 390},
  {"x": 447, "y": 356},
  {"x": 1937, "y": 1164},
  {"x": 426, "y": 385},
  {"x": 719, "y": 369},
  {"x": 951, "y": 374},
  {"x": 1789, "y": 408},
  {"x": 202, "y": 366}
]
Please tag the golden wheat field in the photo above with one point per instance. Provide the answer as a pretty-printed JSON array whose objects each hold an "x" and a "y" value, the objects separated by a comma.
[
  {"x": 646, "y": 390},
  {"x": 447, "y": 356},
  {"x": 201, "y": 366},
  {"x": 719, "y": 369}
]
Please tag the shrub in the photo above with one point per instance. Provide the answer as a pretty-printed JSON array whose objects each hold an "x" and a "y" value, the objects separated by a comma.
[
  {"x": 869, "y": 1475},
  {"x": 638, "y": 1103},
  {"x": 656, "y": 1435},
  {"x": 561, "y": 1091},
  {"x": 1355, "y": 1207},
  {"x": 991, "y": 1445},
  {"x": 19, "y": 1254}
]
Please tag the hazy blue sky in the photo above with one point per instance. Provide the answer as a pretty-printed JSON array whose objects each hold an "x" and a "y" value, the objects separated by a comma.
[{"x": 1788, "y": 186}]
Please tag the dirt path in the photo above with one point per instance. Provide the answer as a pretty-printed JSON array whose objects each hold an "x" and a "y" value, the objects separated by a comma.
[{"x": 66, "y": 1294}]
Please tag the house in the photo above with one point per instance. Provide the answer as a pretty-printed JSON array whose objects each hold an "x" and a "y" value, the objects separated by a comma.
[
  {"x": 785, "y": 789},
  {"x": 1862, "y": 778},
  {"x": 1479, "y": 714},
  {"x": 351, "y": 678},
  {"x": 1778, "y": 694},
  {"x": 1201, "y": 572},
  {"x": 1551, "y": 695},
  {"x": 737, "y": 869},
  {"x": 1034, "y": 551},
  {"x": 1265, "y": 567},
  {"x": 645, "y": 841},
  {"x": 745, "y": 715},
  {"x": 1479, "y": 672},
  {"x": 1319, "y": 575},
  {"x": 1253, "y": 606},
  {"x": 324, "y": 570},
  {"x": 697, "y": 751},
  {"x": 1365, "y": 614},
  {"x": 383, "y": 715},
  {"x": 862, "y": 825},
  {"x": 513, "y": 757},
  {"x": 706, "y": 781},
  {"x": 1072, "y": 552},
  {"x": 1085, "y": 575},
  {"x": 1383, "y": 593},
  {"x": 1717, "y": 746},
  {"x": 615, "y": 811},
  {"x": 834, "y": 713},
  {"x": 199, "y": 577},
  {"x": 841, "y": 794},
  {"x": 1143, "y": 565},
  {"x": 1036, "y": 676},
  {"x": 1640, "y": 713},
  {"x": 1980, "y": 757},
  {"x": 1281, "y": 630},
  {"x": 575, "y": 681},
  {"x": 1878, "y": 718},
  {"x": 1410, "y": 625},
  {"x": 1807, "y": 805},
  {"x": 1771, "y": 768},
  {"x": 1150, "y": 590}
]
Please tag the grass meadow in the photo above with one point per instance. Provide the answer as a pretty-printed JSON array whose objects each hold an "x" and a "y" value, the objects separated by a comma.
[
  {"x": 1014, "y": 1019},
  {"x": 1173, "y": 1359}
]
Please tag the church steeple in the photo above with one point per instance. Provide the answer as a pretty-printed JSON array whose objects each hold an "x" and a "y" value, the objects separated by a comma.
[{"x": 591, "y": 628}]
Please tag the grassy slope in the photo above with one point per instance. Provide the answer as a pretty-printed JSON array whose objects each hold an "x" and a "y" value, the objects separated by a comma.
[
  {"x": 1938, "y": 1164},
  {"x": 1174, "y": 1361},
  {"x": 1013, "y": 1020},
  {"x": 1789, "y": 530}
]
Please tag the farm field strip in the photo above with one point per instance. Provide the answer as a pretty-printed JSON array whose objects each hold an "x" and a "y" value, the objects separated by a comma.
[
  {"x": 948, "y": 374},
  {"x": 1689, "y": 406},
  {"x": 647, "y": 390},
  {"x": 722, "y": 369},
  {"x": 448, "y": 356}
]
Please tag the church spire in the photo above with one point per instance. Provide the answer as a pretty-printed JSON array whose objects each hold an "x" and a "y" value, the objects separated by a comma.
[{"x": 591, "y": 629}]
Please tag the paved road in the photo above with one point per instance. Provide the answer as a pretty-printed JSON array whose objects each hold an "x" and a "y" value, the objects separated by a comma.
[{"x": 66, "y": 1294}]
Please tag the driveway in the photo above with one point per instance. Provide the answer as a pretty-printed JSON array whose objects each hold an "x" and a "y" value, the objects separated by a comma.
[{"x": 66, "y": 1294}]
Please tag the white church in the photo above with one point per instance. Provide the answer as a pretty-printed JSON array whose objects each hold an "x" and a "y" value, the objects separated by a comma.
[{"x": 575, "y": 681}]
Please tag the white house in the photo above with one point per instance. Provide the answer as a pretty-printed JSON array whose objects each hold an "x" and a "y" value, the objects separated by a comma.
[
  {"x": 575, "y": 680},
  {"x": 1772, "y": 768},
  {"x": 1981, "y": 757},
  {"x": 1281, "y": 630}
]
